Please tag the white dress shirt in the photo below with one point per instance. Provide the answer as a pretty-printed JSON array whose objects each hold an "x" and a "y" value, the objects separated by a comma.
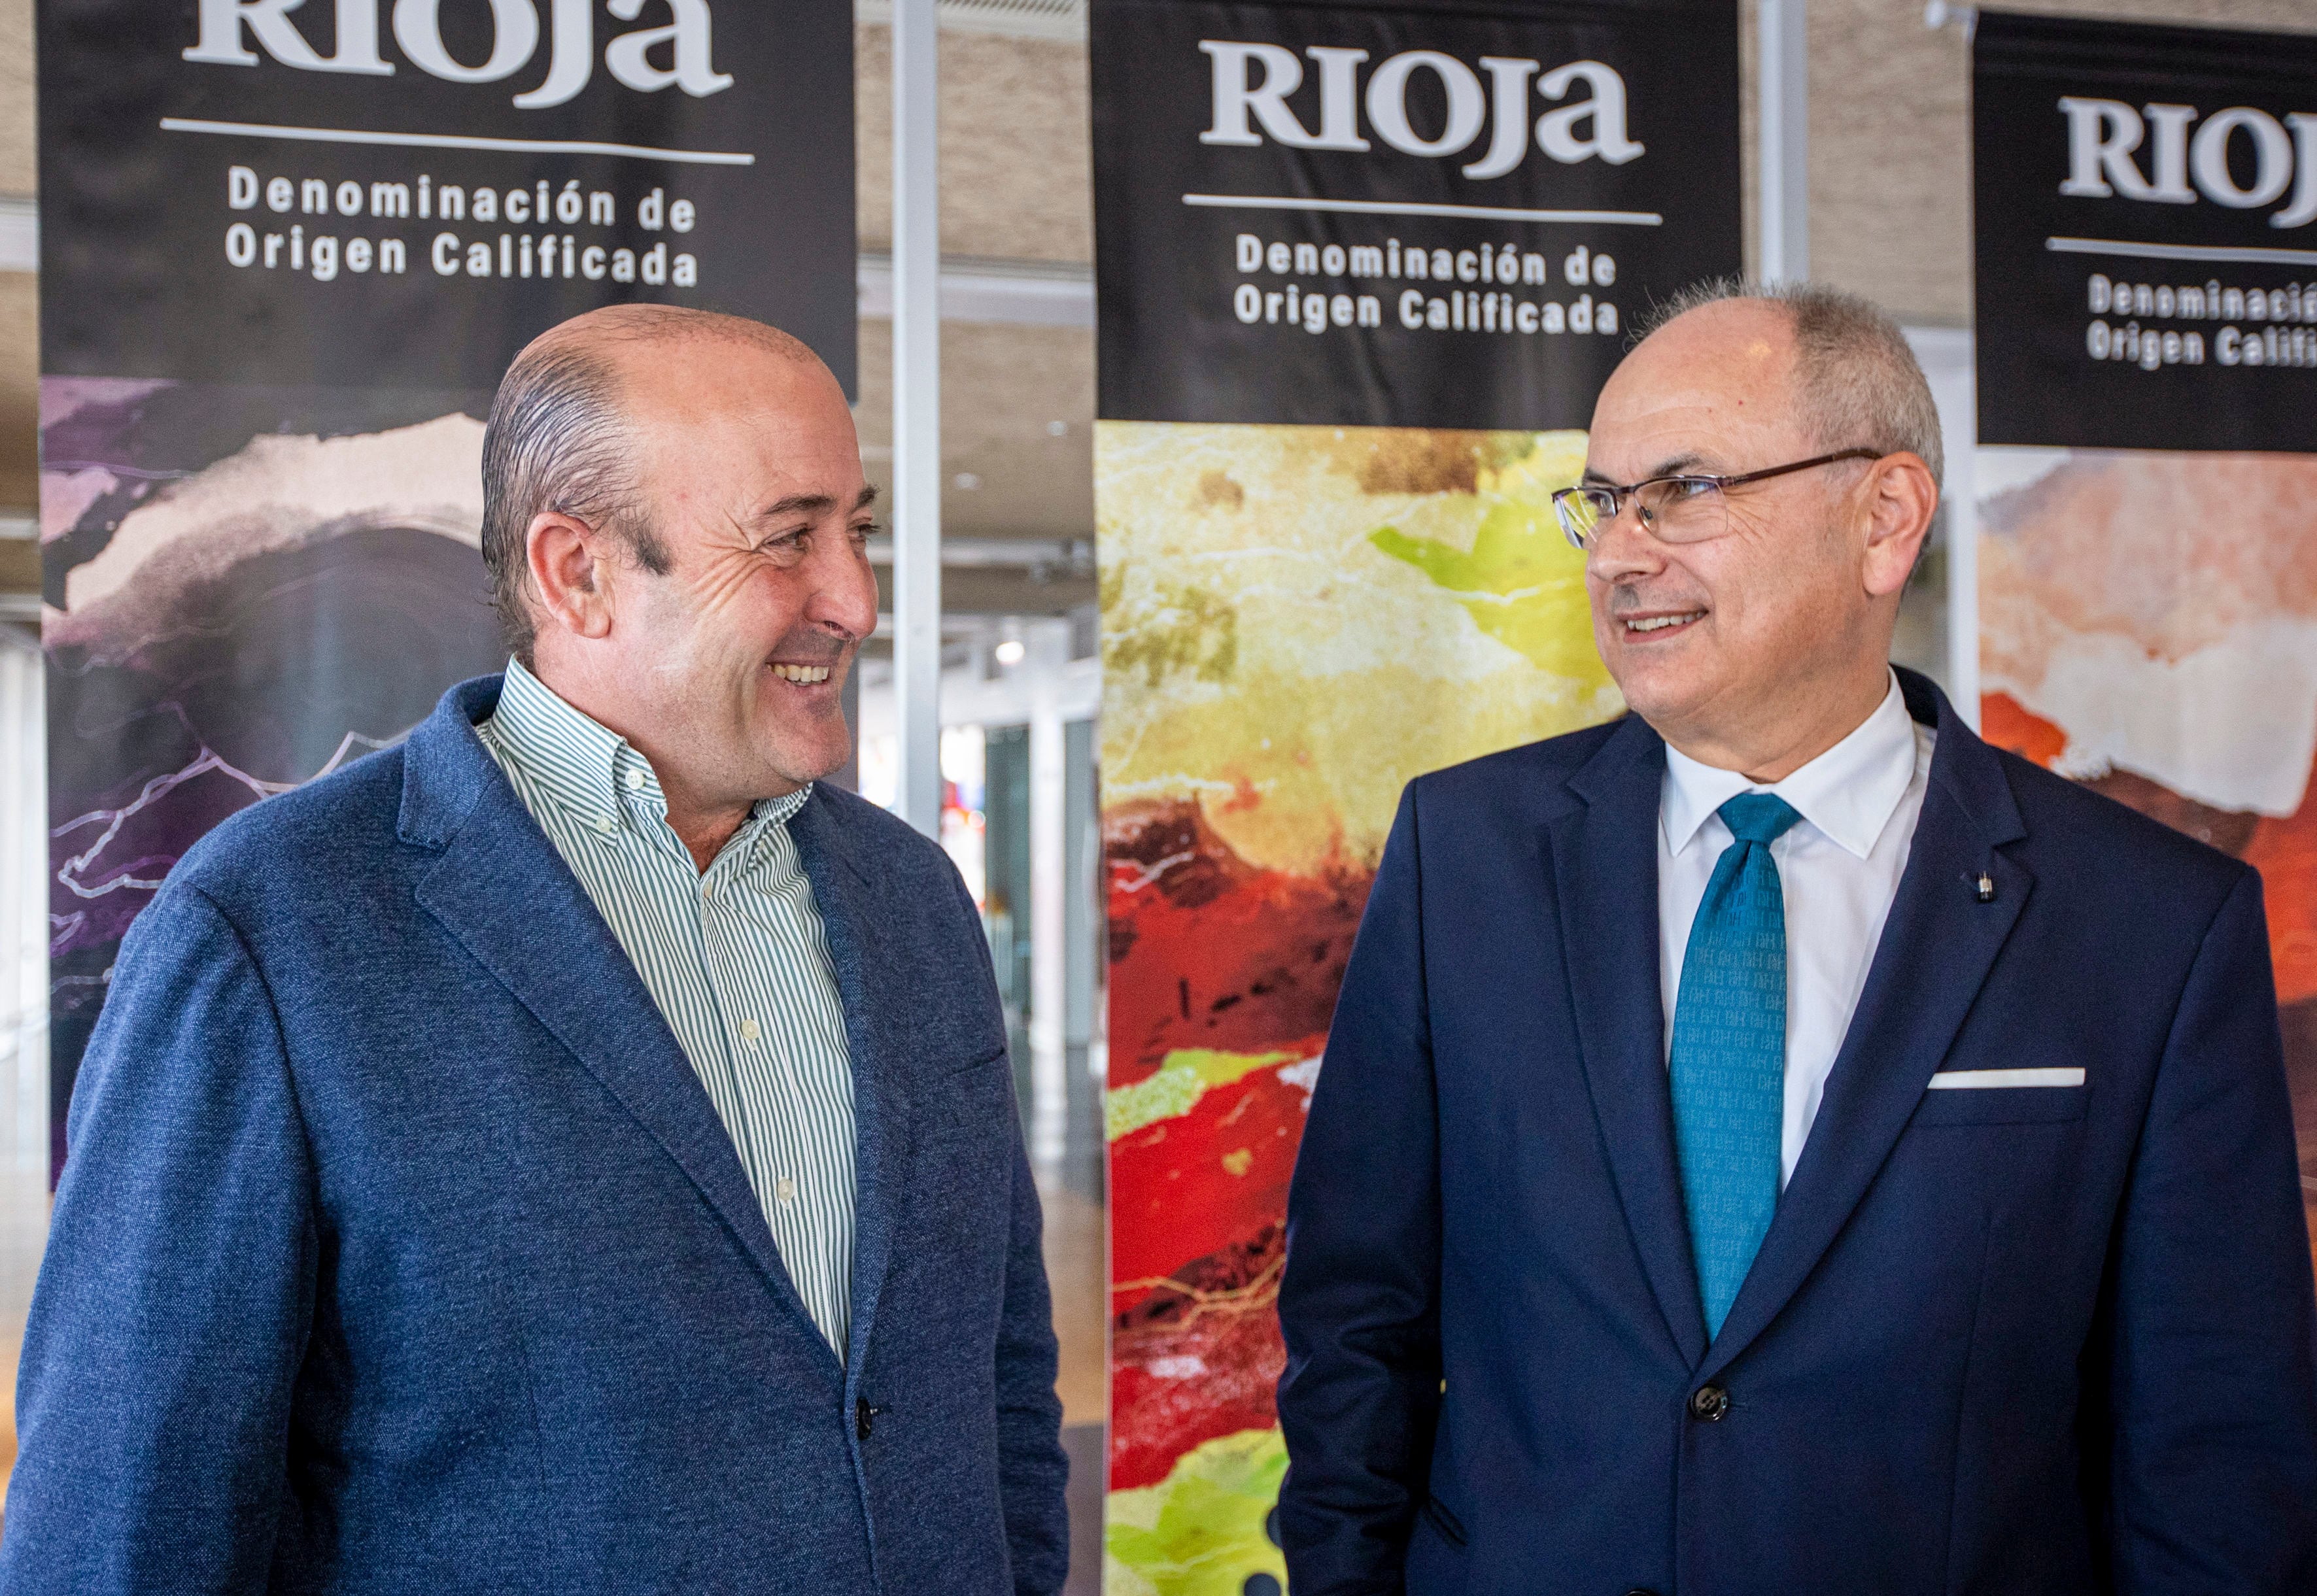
[{"x": 1839, "y": 869}]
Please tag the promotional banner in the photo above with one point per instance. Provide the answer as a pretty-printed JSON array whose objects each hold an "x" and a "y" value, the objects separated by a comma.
[
  {"x": 2144, "y": 200},
  {"x": 2148, "y": 349},
  {"x": 1361, "y": 273},
  {"x": 1338, "y": 215},
  {"x": 287, "y": 250}
]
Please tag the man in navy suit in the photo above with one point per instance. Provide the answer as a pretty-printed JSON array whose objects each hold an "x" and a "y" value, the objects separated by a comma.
[
  {"x": 1776, "y": 1143},
  {"x": 574, "y": 1150}
]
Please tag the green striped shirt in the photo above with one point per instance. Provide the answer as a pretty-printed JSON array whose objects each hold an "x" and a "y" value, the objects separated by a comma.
[{"x": 737, "y": 958}]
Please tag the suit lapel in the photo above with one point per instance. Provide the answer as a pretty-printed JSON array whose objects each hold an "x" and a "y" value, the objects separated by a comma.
[
  {"x": 1938, "y": 946},
  {"x": 858, "y": 941},
  {"x": 507, "y": 896},
  {"x": 1605, "y": 869}
]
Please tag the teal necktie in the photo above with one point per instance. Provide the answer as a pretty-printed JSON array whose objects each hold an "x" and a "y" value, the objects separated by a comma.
[{"x": 1729, "y": 1062}]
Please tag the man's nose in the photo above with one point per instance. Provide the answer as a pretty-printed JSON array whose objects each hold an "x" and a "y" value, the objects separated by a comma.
[
  {"x": 844, "y": 587},
  {"x": 1621, "y": 549}
]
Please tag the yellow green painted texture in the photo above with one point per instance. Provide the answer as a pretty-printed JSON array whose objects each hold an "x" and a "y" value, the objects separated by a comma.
[
  {"x": 1522, "y": 582},
  {"x": 1200, "y": 1531},
  {"x": 1183, "y": 1077}
]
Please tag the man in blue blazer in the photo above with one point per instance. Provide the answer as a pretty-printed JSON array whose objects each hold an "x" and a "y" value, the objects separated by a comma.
[
  {"x": 1776, "y": 1143},
  {"x": 573, "y": 1151}
]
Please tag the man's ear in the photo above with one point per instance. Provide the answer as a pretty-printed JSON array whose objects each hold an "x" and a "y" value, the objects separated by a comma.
[
  {"x": 1901, "y": 498},
  {"x": 570, "y": 564}
]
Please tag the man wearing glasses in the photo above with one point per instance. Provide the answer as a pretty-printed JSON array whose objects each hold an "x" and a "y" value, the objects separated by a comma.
[{"x": 1777, "y": 1142}]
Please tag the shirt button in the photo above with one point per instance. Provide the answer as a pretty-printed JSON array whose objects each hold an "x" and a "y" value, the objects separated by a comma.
[
  {"x": 785, "y": 1189},
  {"x": 750, "y": 1030},
  {"x": 606, "y": 823},
  {"x": 635, "y": 780}
]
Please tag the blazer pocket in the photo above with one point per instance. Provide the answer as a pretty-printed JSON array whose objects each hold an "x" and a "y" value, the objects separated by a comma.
[
  {"x": 2002, "y": 1105},
  {"x": 1002, "y": 1058},
  {"x": 1451, "y": 1529},
  {"x": 967, "y": 1103}
]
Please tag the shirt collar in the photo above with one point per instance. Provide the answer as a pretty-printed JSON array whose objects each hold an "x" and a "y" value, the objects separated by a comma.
[
  {"x": 574, "y": 758},
  {"x": 768, "y": 817},
  {"x": 588, "y": 768},
  {"x": 1849, "y": 792}
]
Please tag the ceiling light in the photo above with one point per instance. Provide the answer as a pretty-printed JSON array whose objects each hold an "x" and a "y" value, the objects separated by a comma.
[{"x": 1009, "y": 652}]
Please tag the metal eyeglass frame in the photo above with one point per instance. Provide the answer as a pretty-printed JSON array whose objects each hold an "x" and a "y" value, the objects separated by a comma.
[{"x": 1617, "y": 495}]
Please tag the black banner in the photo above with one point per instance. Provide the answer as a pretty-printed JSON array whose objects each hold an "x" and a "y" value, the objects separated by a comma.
[
  {"x": 404, "y": 191},
  {"x": 2147, "y": 261},
  {"x": 1442, "y": 217}
]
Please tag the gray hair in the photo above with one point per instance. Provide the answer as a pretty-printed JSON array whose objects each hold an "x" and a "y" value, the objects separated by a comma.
[
  {"x": 559, "y": 440},
  {"x": 1860, "y": 384},
  {"x": 556, "y": 440}
]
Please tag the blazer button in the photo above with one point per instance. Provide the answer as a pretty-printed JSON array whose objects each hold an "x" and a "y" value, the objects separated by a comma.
[
  {"x": 1709, "y": 1403},
  {"x": 1641, "y": 1591},
  {"x": 863, "y": 1417}
]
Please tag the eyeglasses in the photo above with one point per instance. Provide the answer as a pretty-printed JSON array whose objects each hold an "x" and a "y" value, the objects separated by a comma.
[{"x": 1672, "y": 509}]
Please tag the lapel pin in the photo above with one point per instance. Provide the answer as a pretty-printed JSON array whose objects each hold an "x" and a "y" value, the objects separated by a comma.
[{"x": 1985, "y": 887}]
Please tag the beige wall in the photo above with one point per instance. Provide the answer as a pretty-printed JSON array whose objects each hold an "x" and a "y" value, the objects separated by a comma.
[
  {"x": 19, "y": 410},
  {"x": 1006, "y": 472},
  {"x": 1017, "y": 184},
  {"x": 16, "y": 168},
  {"x": 20, "y": 322},
  {"x": 1016, "y": 163}
]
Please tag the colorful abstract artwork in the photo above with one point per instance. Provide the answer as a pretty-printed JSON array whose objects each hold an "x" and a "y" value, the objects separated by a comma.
[
  {"x": 1296, "y": 621},
  {"x": 2148, "y": 626},
  {"x": 245, "y": 587}
]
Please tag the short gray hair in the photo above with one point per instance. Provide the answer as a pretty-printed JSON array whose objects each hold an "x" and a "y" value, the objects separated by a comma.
[
  {"x": 559, "y": 440},
  {"x": 1860, "y": 384},
  {"x": 556, "y": 440}
]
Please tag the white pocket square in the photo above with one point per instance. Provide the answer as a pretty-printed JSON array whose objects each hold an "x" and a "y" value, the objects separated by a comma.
[{"x": 1965, "y": 1080}]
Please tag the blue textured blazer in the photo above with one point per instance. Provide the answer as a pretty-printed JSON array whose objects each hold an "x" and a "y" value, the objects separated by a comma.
[
  {"x": 2039, "y": 1341},
  {"x": 401, "y": 1249}
]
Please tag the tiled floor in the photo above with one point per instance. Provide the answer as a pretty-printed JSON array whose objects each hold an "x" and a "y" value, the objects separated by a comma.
[
  {"x": 1077, "y": 1268},
  {"x": 1083, "y": 1442},
  {"x": 1074, "y": 1269}
]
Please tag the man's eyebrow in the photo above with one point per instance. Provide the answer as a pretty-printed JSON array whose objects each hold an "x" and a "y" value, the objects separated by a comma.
[
  {"x": 1677, "y": 465},
  {"x": 813, "y": 505},
  {"x": 799, "y": 505}
]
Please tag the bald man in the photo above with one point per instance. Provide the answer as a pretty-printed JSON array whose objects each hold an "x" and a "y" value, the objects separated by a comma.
[
  {"x": 1777, "y": 1144},
  {"x": 574, "y": 1150}
]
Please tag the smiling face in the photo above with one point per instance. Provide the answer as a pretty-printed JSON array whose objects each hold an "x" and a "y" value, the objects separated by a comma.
[
  {"x": 727, "y": 670},
  {"x": 1759, "y": 648}
]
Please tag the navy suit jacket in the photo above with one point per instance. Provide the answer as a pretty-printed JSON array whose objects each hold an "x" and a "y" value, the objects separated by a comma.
[
  {"x": 2044, "y": 1340},
  {"x": 401, "y": 1249}
]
